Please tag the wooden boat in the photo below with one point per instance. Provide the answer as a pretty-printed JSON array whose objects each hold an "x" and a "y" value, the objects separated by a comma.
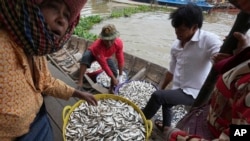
[
  {"x": 67, "y": 60},
  {"x": 225, "y": 7},
  {"x": 177, "y": 3}
]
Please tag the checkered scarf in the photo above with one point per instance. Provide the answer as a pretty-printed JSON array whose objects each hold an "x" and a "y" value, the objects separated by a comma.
[{"x": 25, "y": 22}]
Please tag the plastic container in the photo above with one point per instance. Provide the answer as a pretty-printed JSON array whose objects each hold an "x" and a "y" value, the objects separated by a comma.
[{"x": 69, "y": 109}]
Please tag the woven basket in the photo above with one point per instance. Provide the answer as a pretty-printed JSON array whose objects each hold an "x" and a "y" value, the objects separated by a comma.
[{"x": 69, "y": 109}]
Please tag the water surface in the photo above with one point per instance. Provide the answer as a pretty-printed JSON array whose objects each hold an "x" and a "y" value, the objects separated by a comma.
[{"x": 150, "y": 35}]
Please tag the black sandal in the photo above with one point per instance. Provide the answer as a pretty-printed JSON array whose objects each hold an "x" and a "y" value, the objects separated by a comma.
[{"x": 158, "y": 123}]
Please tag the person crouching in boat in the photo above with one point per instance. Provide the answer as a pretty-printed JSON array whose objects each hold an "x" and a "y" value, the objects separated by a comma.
[{"x": 101, "y": 51}]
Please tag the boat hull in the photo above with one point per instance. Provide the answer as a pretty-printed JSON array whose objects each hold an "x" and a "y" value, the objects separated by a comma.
[
  {"x": 67, "y": 61},
  {"x": 177, "y": 3}
]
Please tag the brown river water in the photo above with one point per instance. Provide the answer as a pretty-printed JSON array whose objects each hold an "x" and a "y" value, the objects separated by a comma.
[{"x": 149, "y": 35}]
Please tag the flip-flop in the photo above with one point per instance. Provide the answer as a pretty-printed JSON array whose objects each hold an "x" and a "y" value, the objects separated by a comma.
[{"x": 158, "y": 123}]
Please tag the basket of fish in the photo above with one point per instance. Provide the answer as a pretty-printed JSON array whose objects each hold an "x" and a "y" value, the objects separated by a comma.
[
  {"x": 137, "y": 91},
  {"x": 115, "y": 118},
  {"x": 104, "y": 80}
]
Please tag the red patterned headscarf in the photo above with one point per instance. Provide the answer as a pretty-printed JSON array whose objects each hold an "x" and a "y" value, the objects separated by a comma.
[{"x": 25, "y": 22}]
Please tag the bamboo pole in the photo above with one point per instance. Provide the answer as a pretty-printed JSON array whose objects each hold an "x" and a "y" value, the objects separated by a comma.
[{"x": 241, "y": 24}]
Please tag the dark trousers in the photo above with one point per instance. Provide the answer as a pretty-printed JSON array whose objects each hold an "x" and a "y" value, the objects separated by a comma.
[
  {"x": 40, "y": 129},
  {"x": 112, "y": 66},
  {"x": 88, "y": 58},
  {"x": 167, "y": 99}
]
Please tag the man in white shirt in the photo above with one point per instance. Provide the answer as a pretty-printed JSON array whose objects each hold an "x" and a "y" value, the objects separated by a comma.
[{"x": 191, "y": 56}]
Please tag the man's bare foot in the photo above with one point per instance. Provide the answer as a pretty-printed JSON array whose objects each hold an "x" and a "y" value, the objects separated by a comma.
[{"x": 159, "y": 125}]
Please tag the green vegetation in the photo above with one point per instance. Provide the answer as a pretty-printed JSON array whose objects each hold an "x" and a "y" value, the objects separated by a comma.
[{"x": 86, "y": 23}]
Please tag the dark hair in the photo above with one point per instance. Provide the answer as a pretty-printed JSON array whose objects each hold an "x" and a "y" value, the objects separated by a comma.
[{"x": 189, "y": 15}]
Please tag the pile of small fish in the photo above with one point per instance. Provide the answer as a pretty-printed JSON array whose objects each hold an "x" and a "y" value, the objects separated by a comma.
[
  {"x": 179, "y": 112},
  {"x": 104, "y": 80},
  {"x": 95, "y": 66},
  {"x": 140, "y": 92},
  {"x": 111, "y": 120}
]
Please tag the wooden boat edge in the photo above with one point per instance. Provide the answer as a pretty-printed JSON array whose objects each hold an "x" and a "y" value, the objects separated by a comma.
[{"x": 67, "y": 61}]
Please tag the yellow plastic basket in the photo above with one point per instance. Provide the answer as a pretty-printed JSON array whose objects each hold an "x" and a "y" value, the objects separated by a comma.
[{"x": 69, "y": 109}]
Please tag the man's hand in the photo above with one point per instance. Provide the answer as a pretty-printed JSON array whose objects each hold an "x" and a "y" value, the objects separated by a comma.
[{"x": 114, "y": 81}]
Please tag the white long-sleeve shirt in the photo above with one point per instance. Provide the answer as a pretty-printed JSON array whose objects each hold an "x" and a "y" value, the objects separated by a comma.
[{"x": 191, "y": 64}]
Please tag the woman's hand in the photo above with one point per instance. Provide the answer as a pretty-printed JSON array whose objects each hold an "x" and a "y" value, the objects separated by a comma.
[
  {"x": 219, "y": 56},
  {"x": 243, "y": 41},
  {"x": 85, "y": 96}
]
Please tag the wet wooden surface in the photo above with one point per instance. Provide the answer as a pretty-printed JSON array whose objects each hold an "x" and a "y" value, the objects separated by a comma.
[{"x": 55, "y": 108}]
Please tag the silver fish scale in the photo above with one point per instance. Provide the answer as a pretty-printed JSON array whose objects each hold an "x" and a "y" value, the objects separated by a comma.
[
  {"x": 140, "y": 92},
  {"x": 111, "y": 120},
  {"x": 95, "y": 66},
  {"x": 104, "y": 80},
  {"x": 137, "y": 91}
]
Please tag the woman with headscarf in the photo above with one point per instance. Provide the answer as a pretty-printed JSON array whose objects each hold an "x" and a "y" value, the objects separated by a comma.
[{"x": 29, "y": 30}]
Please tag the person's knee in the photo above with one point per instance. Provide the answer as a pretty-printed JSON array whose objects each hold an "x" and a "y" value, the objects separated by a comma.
[
  {"x": 115, "y": 73},
  {"x": 156, "y": 95},
  {"x": 85, "y": 65}
]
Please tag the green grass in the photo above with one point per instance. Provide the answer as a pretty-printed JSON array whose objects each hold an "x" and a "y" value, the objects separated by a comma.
[{"x": 86, "y": 23}]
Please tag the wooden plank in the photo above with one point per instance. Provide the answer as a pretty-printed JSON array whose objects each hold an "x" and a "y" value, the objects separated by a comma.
[
  {"x": 139, "y": 74},
  {"x": 155, "y": 76},
  {"x": 59, "y": 74},
  {"x": 96, "y": 86},
  {"x": 129, "y": 61},
  {"x": 57, "y": 132},
  {"x": 137, "y": 66},
  {"x": 54, "y": 109},
  {"x": 156, "y": 134}
]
